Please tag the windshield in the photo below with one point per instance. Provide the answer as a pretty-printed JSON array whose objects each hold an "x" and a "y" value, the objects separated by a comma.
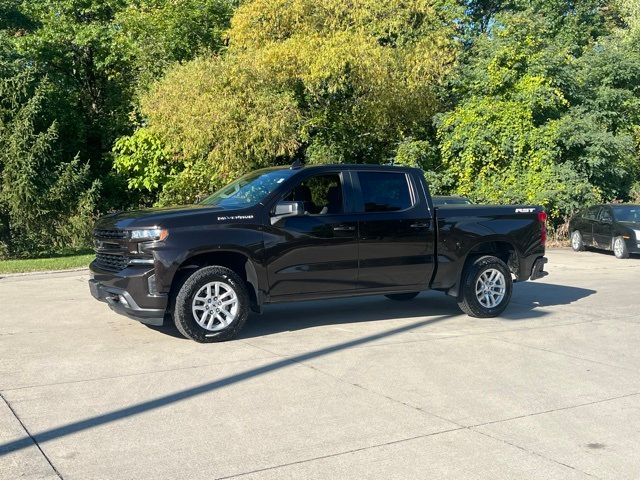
[
  {"x": 627, "y": 213},
  {"x": 249, "y": 190}
]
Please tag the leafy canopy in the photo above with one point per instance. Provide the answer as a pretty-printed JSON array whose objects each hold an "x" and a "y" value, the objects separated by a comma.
[{"x": 323, "y": 81}]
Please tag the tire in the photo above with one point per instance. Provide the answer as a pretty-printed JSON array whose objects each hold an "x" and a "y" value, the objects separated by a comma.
[
  {"x": 576, "y": 241},
  {"x": 402, "y": 297},
  {"x": 231, "y": 290},
  {"x": 482, "y": 269},
  {"x": 620, "y": 248}
]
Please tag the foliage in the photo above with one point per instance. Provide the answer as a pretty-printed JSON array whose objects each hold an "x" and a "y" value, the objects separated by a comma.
[
  {"x": 322, "y": 81},
  {"x": 158, "y": 33},
  {"x": 89, "y": 60},
  {"x": 543, "y": 114},
  {"x": 142, "y": 158},
  {"x": 110, "y": 104},
  {"x": 46, "y": 203}
]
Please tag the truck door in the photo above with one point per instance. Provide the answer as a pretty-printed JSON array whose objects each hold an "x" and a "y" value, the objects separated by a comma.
[
  {"x": 315, "y": 251},
  {"x": 396, "y": 231}
]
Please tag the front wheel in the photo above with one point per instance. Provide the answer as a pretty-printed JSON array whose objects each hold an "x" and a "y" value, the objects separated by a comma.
[
  {"x": 486, "y": 287},
  {"x": 620, "y": 248},
  {"x": 212, "y": 305}
]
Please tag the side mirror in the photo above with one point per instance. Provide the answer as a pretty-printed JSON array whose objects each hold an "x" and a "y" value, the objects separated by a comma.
[{"x": 286, "y": 209}]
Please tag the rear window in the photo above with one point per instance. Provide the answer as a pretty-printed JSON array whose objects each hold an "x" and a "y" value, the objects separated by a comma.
[{"x": 384, "y": 191}]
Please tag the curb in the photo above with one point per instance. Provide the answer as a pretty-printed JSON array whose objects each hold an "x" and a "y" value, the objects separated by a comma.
[{"x": 42, "y": 272}]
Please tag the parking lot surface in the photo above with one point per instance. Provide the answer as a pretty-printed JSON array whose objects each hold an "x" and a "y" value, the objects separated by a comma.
[{"x": 359, "y": 388}]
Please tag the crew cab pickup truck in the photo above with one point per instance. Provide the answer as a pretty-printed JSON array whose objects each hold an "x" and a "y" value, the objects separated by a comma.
[{"x": 300, "y": 233}]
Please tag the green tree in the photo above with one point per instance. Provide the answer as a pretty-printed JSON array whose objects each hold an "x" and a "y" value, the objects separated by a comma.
[
  {"x": 322, "y": 81},
  {"x": 546, "y": 108},
  {"x": 46, "y": 203}
]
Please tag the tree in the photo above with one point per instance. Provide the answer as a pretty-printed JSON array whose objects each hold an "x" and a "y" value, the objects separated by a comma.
[
  {"x": 546, "y": 107},
  {"x": 322, "y": 81},
  {"x": 46, "y": 203}
]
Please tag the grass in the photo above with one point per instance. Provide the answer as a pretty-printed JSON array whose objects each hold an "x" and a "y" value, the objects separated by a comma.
[{"x": 62, "y": 262}]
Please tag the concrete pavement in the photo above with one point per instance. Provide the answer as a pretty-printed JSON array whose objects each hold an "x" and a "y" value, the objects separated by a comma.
[{"x": 358, "y": 388}]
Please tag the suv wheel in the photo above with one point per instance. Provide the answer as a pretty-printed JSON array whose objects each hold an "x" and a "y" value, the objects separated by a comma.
[
  {"x": 576, "y": 241},
  {"x": 620, "y": 248},
  {"x": 486, "y": 287},
  {"x": 402, "y": 297},
  {"x": 212, "y": 305}
]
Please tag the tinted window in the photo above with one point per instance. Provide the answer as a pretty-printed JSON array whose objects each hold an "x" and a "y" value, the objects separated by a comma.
[
  {"x": 605, "y": 215},
  {"x": 591, "y": 213},
  {"x": 320, "y": 194},
  {"x": 384, "y": 191}
]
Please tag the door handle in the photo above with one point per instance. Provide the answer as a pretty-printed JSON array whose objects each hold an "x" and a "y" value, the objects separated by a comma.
[
  {"x": 344, "y": 228},
  {"x": 419, "y": 225}
]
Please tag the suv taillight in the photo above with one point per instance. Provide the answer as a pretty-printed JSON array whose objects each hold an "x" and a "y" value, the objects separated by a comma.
[{"x": 542, "y": 218}]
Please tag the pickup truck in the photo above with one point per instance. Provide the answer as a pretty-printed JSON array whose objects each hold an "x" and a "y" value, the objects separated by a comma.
[{"x": 310, "y": 232}]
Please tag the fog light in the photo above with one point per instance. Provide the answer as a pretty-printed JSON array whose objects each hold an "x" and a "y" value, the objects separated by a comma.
[{"x": 151, "y": 282}]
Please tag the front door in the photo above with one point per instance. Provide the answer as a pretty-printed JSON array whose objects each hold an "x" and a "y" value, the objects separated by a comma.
[
  {"x": 396, "y": 232},
  {"x": 315, "y": 251}
]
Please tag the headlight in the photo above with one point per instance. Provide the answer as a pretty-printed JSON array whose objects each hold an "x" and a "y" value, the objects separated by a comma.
[
  {"x": 637, "y": 235},
  {"x": 149, "y": 234}
]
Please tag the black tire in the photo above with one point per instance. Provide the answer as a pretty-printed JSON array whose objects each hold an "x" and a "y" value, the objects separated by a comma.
[
  {"x": 183, "y": 316},
  {"x": 468, "y": 301},
  {"x": 622, "y": 251},
  {"x": 402, "y": 297},
  {"x": 576, "y": 241}
]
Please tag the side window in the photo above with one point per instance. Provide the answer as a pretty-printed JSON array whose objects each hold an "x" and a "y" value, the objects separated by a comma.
[
  {"x": 320, "y": 194},
  {"x": 605, "y": 215},
  {"x": 591, "y": 213},
  {"x": 384, "y": 191}
]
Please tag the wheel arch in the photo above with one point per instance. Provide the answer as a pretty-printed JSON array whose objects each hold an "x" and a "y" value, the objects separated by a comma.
[
  {"x": 501, "y": 248},
  {"x": 239, "y": 262}
]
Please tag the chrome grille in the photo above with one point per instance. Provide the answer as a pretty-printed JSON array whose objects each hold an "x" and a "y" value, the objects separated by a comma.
[{"x": 112, "y": 262}]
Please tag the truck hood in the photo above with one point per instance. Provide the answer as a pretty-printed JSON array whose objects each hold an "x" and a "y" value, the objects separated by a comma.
[{"x": 161, "y": 217}]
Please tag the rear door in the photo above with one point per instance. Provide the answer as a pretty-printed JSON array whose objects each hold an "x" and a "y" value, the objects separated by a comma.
[
  {"x": 396, "y": 232},
  {"x": 603, "y": 228},
  {"x": 585, "y": 224}
]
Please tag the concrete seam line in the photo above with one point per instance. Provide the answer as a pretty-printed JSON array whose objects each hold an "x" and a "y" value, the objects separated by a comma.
[
  {"x": 540, "y": 349},
  {"x": 559, "y": 409},
  {"x": 338, "y": 454},
  {"x": 24, "y": 427},
  {"x": 533, "y": 452},
  {"x": 127, "y": 375},
  {"x": 362, "y": 387},
  {"x": 167, "y": 399}
]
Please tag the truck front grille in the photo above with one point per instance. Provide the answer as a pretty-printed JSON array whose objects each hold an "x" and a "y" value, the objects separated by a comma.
[
  {"x": 112, "y": 262},
  {"x": 116, "y": 234}
]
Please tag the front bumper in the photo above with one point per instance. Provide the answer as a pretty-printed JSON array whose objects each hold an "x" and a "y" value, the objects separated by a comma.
[{"x": 126, "y": 293}]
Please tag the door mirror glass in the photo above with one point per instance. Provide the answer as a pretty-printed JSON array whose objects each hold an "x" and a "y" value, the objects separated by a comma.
[{"x": 286, "y": 209}]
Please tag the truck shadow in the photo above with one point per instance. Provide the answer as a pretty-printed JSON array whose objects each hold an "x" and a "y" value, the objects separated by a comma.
[{"x": 528, "y": 301}]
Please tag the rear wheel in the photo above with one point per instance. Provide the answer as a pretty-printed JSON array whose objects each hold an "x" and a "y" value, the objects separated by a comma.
[
  {"x": 402, "y": 297},
  {"x": 486, "y": 287},
  {"x": 212, "y": 305},
  {"x": 576, "y": 241},
  {"x": 620, "y": 248}
]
